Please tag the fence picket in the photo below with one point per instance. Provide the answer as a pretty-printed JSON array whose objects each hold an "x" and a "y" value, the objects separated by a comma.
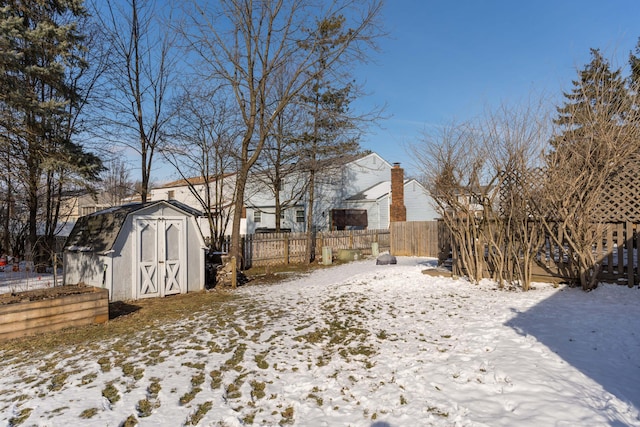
[
  {"x": 283, "y": 248},
  {"x": 616, "y": 250},
  {"x": 415, "y": 238}
]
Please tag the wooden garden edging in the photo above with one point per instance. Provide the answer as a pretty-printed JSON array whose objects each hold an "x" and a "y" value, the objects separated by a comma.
[{"x": 32, "y": 317}]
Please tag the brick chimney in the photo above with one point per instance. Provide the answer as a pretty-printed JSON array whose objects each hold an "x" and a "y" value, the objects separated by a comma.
[{"x": 397, "y": 211}]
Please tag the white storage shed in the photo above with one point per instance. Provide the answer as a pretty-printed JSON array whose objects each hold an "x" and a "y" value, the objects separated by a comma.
[{"x": 138, "y": 250}]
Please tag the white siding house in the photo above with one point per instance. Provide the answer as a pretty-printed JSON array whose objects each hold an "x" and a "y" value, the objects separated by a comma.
[
  {"x": 221, "y": 189},
  {"x": 376, "y": 200},
  {"x": 362, "y": 184}
]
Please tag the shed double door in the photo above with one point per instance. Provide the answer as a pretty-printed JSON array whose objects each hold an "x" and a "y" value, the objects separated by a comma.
[{"x": 161, "y": 262}]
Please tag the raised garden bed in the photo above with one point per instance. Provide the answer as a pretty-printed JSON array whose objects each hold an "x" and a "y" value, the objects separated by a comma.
[{"x": 47, "y": 310}]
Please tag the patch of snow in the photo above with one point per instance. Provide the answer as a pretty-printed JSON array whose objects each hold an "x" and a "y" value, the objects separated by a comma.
[{"x": 423, "y": 351}]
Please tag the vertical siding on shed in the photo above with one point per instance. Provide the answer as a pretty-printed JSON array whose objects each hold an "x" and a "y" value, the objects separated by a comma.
[
  {"x": 195, "y": 257},
  {"x": 82, "y": 267}
]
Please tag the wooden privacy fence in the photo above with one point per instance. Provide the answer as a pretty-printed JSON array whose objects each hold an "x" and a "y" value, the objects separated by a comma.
[
  {"x": 263, "y": 249},
  {"x": 616, "y": 251},
  {"x": 418, "y": 238}
]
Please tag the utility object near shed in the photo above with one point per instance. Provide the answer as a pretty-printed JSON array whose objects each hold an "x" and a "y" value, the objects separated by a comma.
[{"x": 138, "y": 250}]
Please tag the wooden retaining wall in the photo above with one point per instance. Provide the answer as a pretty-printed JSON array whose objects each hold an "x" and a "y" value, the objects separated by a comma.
[{"x": 33, "y": 317}]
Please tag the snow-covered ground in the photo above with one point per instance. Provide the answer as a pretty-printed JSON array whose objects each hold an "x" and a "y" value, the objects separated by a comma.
[
  {"x": 25, "y": 280},
  {"x": 354, "y": 345}
]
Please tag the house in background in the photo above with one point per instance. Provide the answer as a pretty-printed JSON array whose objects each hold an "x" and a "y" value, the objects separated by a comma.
[
  {"x": 74, "y": 207},
  {"x": 377, "y": 201},
  {"x": 355, "y": 193},
  {"x": 221, "y": 189}
]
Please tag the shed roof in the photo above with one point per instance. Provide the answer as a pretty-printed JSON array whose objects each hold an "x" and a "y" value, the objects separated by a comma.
[{"x": 98, "y": 231}]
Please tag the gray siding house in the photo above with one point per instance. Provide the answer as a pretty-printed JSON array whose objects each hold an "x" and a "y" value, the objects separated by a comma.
[{"x": 138, "y": 250}]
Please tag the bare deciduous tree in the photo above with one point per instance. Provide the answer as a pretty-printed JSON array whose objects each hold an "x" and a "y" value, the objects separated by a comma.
[
  {"x": 142, "y": 69},
  {"x": 278, "y": 169},
  {"x": 245, "y": 44},
  {"x": 514, "y": 137},
  {"x": 483, "y": 177},
  {"x": 116, "y": 182},
  {"x": 203, "y": 134},
  {"x": 453, "y": 163}
]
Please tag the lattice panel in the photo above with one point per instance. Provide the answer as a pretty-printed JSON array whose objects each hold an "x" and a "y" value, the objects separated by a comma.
[
  {"x": 513, "y": 193},
  {"x": 621, "y": 199}
]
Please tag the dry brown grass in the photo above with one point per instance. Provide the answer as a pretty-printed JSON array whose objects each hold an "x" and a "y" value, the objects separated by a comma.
[
  {"x": 129, "y": 318},
  {"x": 126, "y": 319}
]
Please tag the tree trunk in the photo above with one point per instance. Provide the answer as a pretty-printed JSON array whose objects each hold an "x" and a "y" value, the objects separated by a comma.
[
  {"x": 278, "y": 211},
  {"x": 310, "y": 250},
  {"x": 236, "y": 239}
]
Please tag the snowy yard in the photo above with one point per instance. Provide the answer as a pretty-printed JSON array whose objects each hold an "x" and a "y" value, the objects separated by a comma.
[
  {"x": 353, "y": 345},
  {"x": 23, "y": 278}
]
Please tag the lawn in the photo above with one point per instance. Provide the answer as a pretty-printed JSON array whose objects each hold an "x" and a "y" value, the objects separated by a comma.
[{"x": 355, "y": 344}]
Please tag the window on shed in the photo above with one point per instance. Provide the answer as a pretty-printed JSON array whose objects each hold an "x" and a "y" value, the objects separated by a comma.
[
  {"x": 147, "y": 244},
  {"x": 172, "y": 241},
  {"x": 257, "y": 217},
  {"x": 300, "y": 215}
]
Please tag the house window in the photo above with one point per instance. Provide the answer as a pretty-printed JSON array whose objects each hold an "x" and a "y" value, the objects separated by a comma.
[
  {"x": 87, "y": 210},
  {"x": 300, "y": 215},
  {"x": 171, "y": 194},
  {"x": 476, "y": 200},
  {"x": 282, "y": 214},
  {"x": 257, "y": 217}
]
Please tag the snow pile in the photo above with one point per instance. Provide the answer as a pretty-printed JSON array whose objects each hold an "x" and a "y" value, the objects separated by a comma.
[{"x": 358, "y": 344}]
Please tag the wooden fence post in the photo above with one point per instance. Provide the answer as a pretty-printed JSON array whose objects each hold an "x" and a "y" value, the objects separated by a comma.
[
  {"x": 286, "y": 249},
  {"x": 629, "y": 246},
  {"x": 234, "y": 272}
]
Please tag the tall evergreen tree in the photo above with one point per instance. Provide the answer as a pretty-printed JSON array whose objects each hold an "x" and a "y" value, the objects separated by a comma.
[
  {"x": 41, "y": 51},
  {"x": 599, "y": 97},
  {"x": 331, "y": 131},
  {"x": 634, "y": 64}
]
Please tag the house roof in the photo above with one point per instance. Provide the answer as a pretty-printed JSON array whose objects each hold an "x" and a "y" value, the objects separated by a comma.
[
  {"x": 196, "y": 180},
  {"x": 356, "y": 158},
  {"x": 372, "y": 193},
  {"x": 377, "y": 191},
  {"x": 339, "y": 160},
  {"x": 98, "y": 231}
]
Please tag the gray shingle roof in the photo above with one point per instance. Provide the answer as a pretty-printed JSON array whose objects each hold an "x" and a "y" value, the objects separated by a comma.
[{"x": 98, "y": 231}]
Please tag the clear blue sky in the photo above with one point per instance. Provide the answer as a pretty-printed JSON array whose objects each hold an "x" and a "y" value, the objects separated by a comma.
[{"x": 445, "y": 60}]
